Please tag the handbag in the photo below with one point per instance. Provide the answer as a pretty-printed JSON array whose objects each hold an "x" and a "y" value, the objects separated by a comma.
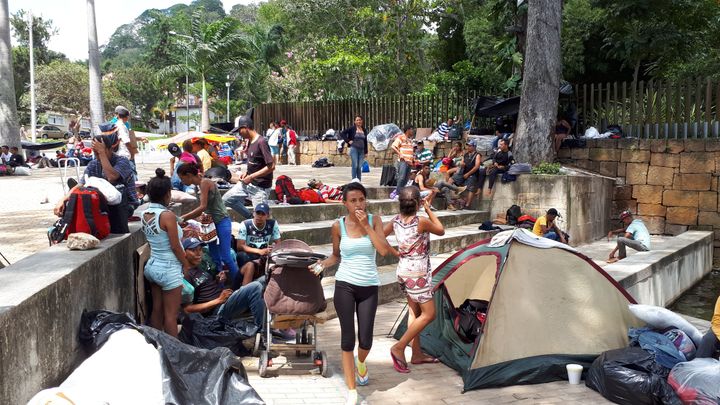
[{"x": 208, "y": 233}]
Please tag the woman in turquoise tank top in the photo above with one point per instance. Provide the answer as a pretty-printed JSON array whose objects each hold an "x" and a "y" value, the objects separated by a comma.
[
  {"x": 356, "y": 238},
  {"x": 167, "y": 264}
]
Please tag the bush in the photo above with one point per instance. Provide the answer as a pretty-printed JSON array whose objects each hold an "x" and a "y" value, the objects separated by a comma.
[{"x": 547, "y": 168}]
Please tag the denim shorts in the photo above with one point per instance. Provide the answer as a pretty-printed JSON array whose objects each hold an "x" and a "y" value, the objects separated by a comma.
[
  {"x": 165, "y": 273},
  {"x": 274, "y": 150}
]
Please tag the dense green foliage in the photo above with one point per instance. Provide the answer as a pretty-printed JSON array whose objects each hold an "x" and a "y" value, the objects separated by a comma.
[{"x": 287, "y": 50}]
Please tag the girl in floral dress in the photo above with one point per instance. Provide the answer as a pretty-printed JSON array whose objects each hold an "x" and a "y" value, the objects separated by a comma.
[{"x": 414, "y": 272}]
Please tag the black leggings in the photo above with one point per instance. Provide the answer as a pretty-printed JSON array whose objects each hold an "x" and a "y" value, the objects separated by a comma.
[
  {"x": 348, "y": 300},
  {"x": 490, "y": 176}
]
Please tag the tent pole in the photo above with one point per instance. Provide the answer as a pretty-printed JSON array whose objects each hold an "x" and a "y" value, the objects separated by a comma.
[{"x": 397, "y": 320}]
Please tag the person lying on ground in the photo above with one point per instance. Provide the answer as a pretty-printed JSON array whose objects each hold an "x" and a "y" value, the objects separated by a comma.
[
  {"x": 501, "y": 161},
  {"x": 329, "y": 193},
  {"x": 546, "y": 227},
  {"x": 212, "y": 299},
  {"x": 414, "y": 272},
  {"x": 635, "y": 235},
  {"x": 119, "y": 172},
  {"x": 255, "y": 239},
  {"x": 710, "y": 343}
]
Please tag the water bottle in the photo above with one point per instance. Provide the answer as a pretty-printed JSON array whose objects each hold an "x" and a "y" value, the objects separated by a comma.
[{"x": 285, "y": 200}]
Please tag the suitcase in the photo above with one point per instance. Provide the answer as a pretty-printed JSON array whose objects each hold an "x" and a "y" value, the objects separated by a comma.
[{"x": 387, "y": 177}]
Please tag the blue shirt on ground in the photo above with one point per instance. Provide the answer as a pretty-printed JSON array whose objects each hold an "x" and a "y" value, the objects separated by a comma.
[{"x": 639, "y": 232}]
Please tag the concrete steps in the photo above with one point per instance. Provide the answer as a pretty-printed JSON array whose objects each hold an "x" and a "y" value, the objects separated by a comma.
[
  {"x": 293, "y": 214},
  {"x": 318, "y": 232}
]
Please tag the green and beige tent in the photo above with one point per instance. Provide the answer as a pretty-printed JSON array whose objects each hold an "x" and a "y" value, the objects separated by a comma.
[{"x": 548, "y": 306}]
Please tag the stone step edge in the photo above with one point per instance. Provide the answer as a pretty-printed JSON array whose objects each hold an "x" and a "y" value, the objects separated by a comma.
[{"x": 326, "y": 223}]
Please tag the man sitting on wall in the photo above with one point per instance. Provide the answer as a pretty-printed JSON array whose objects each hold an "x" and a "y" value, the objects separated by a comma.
[
  {"x": 211, "y": 299},
  {"x": 545, "y": 226},
  {"x": 635, "y": 235}
]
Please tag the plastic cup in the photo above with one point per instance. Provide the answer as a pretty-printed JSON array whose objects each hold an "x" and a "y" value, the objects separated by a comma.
[{"x": 574, "y": 373}]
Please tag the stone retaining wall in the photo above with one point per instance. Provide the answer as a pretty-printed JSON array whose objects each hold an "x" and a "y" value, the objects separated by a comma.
[
  {"x": 310, "y": 151},
  {"x": 671, "y": 184}
]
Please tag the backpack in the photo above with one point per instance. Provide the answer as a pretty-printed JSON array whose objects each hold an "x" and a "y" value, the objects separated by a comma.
[
  {"x": 285, "y": 190},
  {"x": 512, "y": 214},
  {"x": 310, "y": 195},
  {"x": 470, "y": 318},
  {"x": 86, "y": 211},
  {"x": 4, "y": 170},
  {"x": 322, "y": 162}
]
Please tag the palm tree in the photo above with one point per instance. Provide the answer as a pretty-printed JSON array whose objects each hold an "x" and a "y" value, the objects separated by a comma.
[
  {"x": 9, "y": 131},
  {"x": 214, "y": 47},
  {"x": 265, "y": 46},
  {"x": 96, "y": 98},
  {"x": 162, "y": 109}
]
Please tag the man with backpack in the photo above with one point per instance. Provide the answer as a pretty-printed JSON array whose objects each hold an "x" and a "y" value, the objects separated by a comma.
[
  {"x": 254, "y": 242},
  {"x": 255, "y": 184},
  {"x": 119, "y": 172}
]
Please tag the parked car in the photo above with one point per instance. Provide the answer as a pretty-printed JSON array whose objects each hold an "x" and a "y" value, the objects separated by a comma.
[
  {"x": 84, "y": 133},
  {"x": 50, "y": 132}
]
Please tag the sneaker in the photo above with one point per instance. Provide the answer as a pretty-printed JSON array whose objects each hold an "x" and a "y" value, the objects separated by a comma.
[
  {"x": 362, "y": 376},
  {"x": 461, "y": 190}
]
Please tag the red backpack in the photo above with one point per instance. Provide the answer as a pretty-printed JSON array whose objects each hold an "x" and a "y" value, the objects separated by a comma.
[
  {"x": 87, "y": 211},
  {"x": 285, "y": 191},
  {"x": 310, "y": 195}
]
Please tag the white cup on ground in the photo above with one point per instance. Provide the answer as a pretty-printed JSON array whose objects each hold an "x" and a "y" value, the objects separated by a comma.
[{"x": 574, "y": 373}]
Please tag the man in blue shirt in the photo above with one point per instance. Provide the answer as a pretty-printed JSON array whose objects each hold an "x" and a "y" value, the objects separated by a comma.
[
  {"x": 635, "y": 235},
  {"x": 254, "y": 242}
]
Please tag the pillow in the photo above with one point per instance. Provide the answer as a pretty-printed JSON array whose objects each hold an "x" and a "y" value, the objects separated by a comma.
[
  {"x": 661, "y": 318},
  {"x": 294, "y": 291}
]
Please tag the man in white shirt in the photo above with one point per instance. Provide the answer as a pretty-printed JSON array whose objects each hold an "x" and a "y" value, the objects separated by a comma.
[{"x": 5, "y": 155}]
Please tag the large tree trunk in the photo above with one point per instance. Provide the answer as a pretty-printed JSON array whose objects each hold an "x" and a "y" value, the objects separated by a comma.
[
  {"x": 541, "y": 81},
  {"x": 205, "y": 119},
  {"x": 9, "y": 130},
  {"x": 96, "y": 99}
]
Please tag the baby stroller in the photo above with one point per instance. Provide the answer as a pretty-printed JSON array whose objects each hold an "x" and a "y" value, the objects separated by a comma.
[{"x": 293, "y": 296}]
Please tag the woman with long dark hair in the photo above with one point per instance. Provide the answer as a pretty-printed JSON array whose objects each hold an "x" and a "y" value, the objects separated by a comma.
[
  {"x": 211, "y": 203},
  {"x": 356, "y": 238},
  {"x": 356, "y": 137},
  {"x": 167, "y": 264}
]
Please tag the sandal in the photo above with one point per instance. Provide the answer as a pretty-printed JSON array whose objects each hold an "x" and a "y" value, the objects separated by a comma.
[
  {"x": 427, "y": 360},
  {"x": 399, "y": 365}
]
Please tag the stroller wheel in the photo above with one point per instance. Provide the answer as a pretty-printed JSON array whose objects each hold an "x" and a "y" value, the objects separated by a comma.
[
  {"x": 263, "y": 364},
  {"x": 258, "y": 345},
  {"x": 324, "y": 366},
  {"x": 309, "y": 341}
]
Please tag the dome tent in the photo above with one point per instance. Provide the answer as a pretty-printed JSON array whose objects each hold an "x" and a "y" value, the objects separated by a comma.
[{"x": 548, "y": 306}]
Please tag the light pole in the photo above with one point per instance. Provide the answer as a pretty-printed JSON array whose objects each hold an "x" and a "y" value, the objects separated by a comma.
[
  {"x": 227, "y": 105},
  {"x": 187, "y": 81},
  {"x": 33, "y": 113}
]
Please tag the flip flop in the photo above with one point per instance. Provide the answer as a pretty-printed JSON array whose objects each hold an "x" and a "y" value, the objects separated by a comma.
[
  {"x": 612, "y": 260},
  {"x": 399, "y": 365},
  {"x": 431, "y": 360}
]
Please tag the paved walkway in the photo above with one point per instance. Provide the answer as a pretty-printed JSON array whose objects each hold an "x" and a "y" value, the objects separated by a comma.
[{"x": 426, "y": 384}]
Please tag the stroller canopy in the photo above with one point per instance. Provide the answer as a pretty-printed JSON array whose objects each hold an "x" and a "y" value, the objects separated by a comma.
[{"x": 548, "y": 306}]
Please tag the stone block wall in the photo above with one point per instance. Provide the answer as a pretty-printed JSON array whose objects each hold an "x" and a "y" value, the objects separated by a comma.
[
  {"x": 671, "y": 184},
  {"x": 310, "y": 151}
]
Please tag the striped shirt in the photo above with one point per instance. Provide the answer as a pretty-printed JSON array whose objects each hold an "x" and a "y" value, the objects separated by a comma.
[
  {"x": 425, "y": 156},
  {"x": 443, "y": 129},
  {"x": 330, "y": 193},
  {"x": 405, "y": 146}
]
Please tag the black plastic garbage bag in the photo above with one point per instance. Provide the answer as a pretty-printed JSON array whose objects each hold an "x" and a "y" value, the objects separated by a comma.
[
  {"x": 97, "y": 326},
  {"x": 198, "y": 376},
  {"x": 631, "y": 376},
  {"x": 211, "y": 332}
]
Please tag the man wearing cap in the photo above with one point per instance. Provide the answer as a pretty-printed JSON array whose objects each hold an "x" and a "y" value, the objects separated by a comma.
[
  {"x": 254, "y": 184},
  {"x": 635, "y": 235},
  {"x": 467, "y": 175},
  {"x": 254, "y": 241},
  {"x": 424, "y": 155},
  {"x": 546, "y": 227},
  {"x": 211, "y": 298},
  {"x": 119, "y": 172},
  {"x": 329, "y": 194}
]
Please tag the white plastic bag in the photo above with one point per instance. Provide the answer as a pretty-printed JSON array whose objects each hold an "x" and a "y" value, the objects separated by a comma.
[
  {"x": 661, "y": 318},
  {"x": 112, "y": 195},
  {"x": 381, "y": 136},
  {"x": 592, "y": 133},
  {"x": 696, "y": 382}
]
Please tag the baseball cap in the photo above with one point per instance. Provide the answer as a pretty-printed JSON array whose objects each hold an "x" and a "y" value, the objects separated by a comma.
[
  {"x": 553, "y": 211},
  {"x": 625, "y": 214},
  {"x": 122, "y": 111},
  {"x": 242, "y": 122},
  {"x": 262, "y": 207},
  {"x": 471, "y": 141},
  {"x": 283, "y": 123},
  {"x": 192, "y": 243},
  {"x": 174, "y": 150}
]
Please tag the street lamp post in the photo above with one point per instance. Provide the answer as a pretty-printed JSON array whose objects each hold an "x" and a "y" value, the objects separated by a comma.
[
  {"x": 227, "y": 105},
  {"x": 187, "y": 80}
]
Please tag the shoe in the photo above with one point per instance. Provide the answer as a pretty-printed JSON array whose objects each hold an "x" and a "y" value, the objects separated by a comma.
[
  {"x": 362, "y": 377},
  {"x": 461, "y": 190},
  {"x": 352, "y": 398}
]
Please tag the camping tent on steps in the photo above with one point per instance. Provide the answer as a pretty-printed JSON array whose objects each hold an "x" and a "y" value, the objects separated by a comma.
[{"x": 548, "y": 306}]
